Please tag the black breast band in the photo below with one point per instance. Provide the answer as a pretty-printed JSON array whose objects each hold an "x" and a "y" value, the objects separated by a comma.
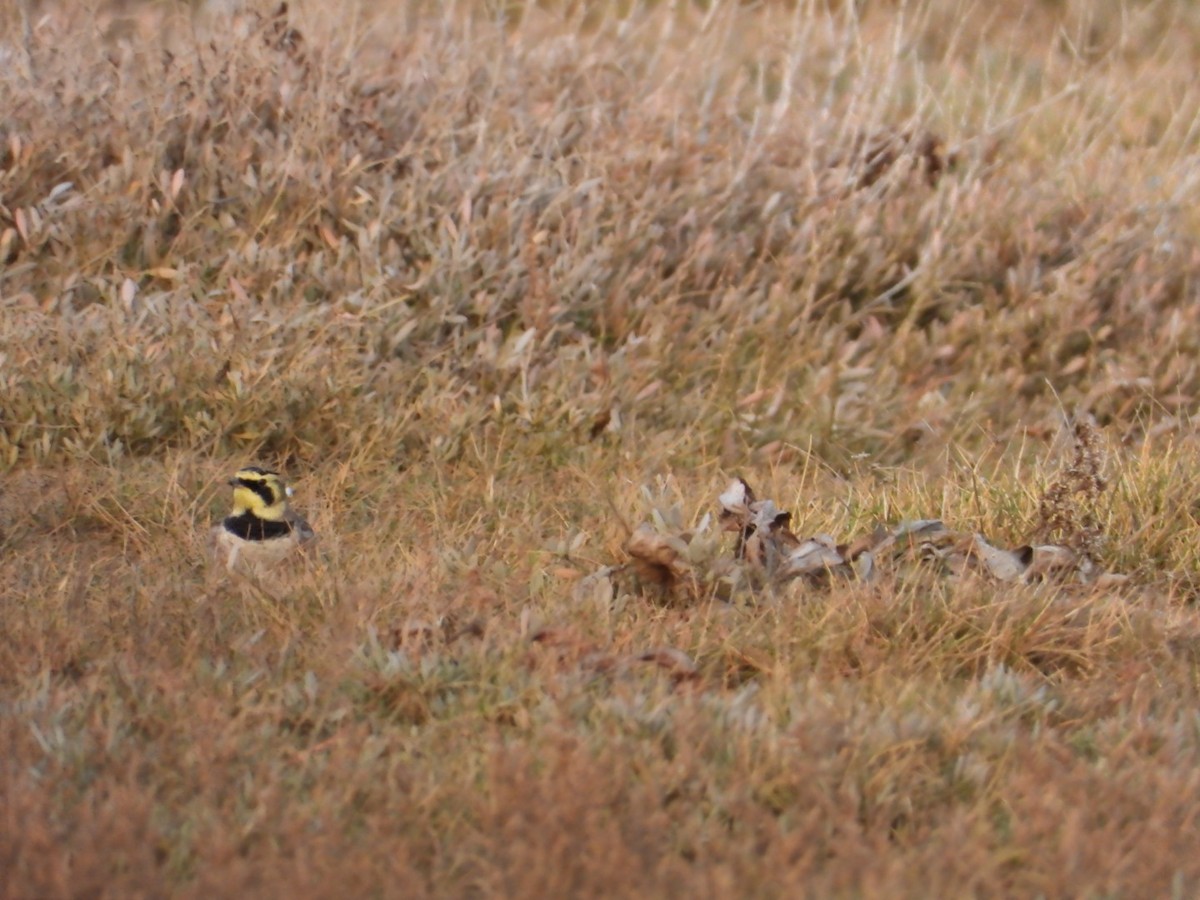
[{"x": 252, "y": 528}]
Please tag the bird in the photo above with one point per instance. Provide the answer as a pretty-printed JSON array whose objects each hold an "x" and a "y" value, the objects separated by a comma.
[{"x": 263, "y": 529}]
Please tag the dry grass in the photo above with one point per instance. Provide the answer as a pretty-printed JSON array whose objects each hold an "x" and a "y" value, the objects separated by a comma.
[{"x": 491, "y": 292}]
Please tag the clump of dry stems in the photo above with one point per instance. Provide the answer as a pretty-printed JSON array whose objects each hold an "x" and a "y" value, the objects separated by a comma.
[{"x": 1067, "y": 508}]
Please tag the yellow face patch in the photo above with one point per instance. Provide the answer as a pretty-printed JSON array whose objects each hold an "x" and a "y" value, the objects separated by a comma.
[{"x": 260, "y": 492}]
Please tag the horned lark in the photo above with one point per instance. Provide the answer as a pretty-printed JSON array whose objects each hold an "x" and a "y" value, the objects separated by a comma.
[{"x": 262, "y": 529}]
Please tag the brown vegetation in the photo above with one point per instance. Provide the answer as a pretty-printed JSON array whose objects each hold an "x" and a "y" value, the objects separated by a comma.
[{"x": 510, "y": 301}]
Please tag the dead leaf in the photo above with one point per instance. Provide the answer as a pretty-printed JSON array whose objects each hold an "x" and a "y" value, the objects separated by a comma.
[
  {"x": 1049, "y": 561},
  {"x": 1005, "y": 565},
  {"x": 735, "y": 505},
  {"x": 863, "y": 566},
  {"x": 818, "y": 554},
  {"x": 656, "y": 557},
  {"x": 598, "y": 586}
]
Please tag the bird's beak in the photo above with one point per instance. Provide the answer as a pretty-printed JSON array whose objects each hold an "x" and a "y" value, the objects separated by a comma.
[
  {"x": 288, "y": 490},
  {"x": 232, "y": 482}
]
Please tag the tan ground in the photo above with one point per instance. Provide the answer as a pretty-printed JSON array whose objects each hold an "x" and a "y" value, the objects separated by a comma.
[{"x": 491, "y": 293}]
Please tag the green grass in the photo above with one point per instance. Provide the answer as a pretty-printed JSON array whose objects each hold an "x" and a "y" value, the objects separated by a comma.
[{"x": 491, "y": 292}]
